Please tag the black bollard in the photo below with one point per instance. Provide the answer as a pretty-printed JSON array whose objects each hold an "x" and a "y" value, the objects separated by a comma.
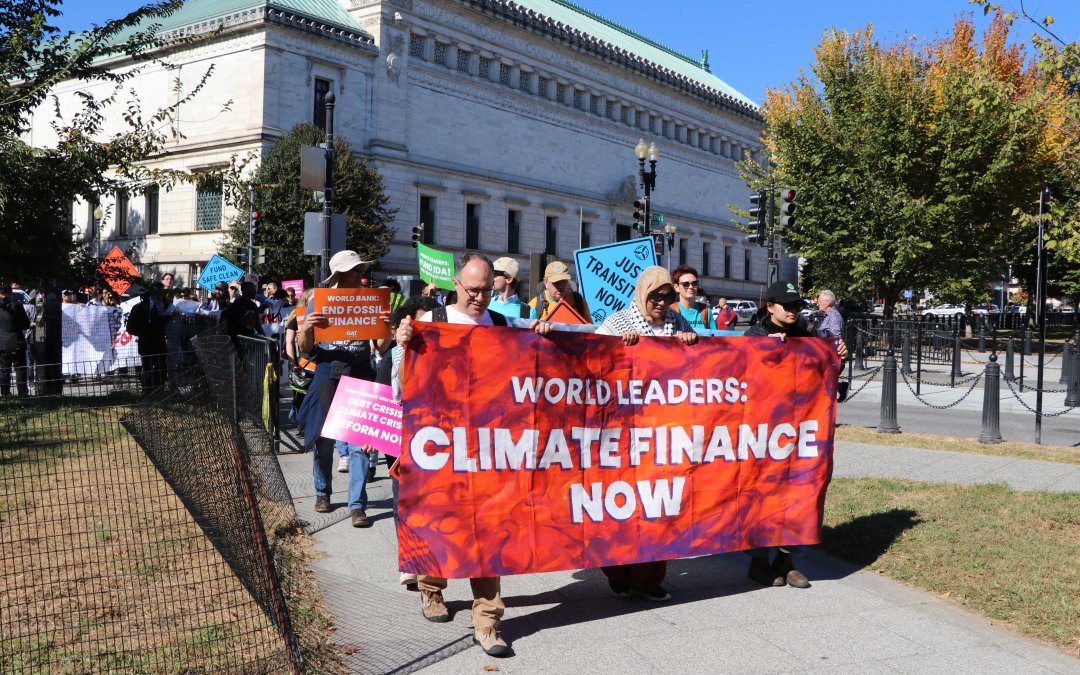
[
  {"x": 982, "y": 336},
  {"x": 1072, "y": 393},
  {"x": 905, "y": 354},
  {"x": 991, "y": 413},
  {"x": 957, "y": 348},
  {"x": 1066, "y": 364},
  {"x": 859, "y": 349},
  {"x": 1009, "y": 377},
  {"x": 888, "y": 424},
  {"x": 1027, "y": 342}
]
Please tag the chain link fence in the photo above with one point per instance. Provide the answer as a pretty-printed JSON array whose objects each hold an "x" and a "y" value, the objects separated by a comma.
[{"x": 153, "y": 531}]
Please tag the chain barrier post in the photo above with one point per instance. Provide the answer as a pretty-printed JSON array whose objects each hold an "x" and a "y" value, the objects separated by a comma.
[
  {"x": 957, "y": 348},
  {"x": 1066, "y": 363},
  {"x": 1027, "y": 342},
  {"x": 1009, "y": 377},
  {"x": 888, "y": 424},
  {"x": 982, "y": 335},
  {"x": 905, "y": 353},
  {"x": 991, "y": 412},
  {"x": 1072, "y": 394},
  {"x": 918, "y": 359}
]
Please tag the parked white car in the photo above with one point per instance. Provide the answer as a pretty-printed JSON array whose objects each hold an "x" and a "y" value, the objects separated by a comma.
[
  {"x": 744, "y": 309},
  {"x": 944, "y": 311}
]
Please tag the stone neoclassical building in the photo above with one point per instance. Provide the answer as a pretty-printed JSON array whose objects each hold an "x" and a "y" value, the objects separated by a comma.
[{"x": 506, "y": 127}]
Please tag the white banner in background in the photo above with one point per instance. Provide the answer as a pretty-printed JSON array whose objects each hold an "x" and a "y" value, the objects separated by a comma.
[{"x": 94, "y": 339}]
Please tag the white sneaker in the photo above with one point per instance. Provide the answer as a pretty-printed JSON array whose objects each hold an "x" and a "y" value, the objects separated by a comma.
[{"x": 343, "y": 465}]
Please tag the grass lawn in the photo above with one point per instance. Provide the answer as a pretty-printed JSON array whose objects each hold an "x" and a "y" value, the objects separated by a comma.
[
  {"x": 1012, "y": 556},
  {"x": 1049, "y": 453}
]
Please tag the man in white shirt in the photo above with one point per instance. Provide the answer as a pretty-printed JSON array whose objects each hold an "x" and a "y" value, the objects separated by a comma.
[{"x": 474, "y": 282}]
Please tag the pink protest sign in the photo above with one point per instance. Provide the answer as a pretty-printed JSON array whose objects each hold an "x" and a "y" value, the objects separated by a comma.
[
  {"x": 296, "y": 284},
  {"x": 364, "y": 413}
]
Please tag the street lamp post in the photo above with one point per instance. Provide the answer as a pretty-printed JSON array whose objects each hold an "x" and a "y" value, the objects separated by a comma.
[
  {"x": 99, "y": 213},
  {"x": 648, "y": 178}
]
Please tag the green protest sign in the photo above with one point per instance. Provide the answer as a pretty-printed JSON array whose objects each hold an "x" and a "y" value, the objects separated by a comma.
[{"x": 436, "y": 267}]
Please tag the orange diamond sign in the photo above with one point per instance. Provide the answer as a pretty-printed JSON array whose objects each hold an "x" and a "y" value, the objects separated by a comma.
[{"x": 117, "y": 270}]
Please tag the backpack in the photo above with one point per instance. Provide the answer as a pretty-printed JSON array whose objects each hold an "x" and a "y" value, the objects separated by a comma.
[
  {"x": 138, "y": 321},
  {"x": 438, "y": 315}
]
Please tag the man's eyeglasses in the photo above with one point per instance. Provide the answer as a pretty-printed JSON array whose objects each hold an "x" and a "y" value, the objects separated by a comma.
[
  {"x": 666, "y": 298},
  {"x": 475, "y": 293},
  {"x": 688, "y": 284}
]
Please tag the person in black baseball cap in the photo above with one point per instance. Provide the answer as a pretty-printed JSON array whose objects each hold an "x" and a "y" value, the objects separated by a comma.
[{"x": 780, "y": 318}]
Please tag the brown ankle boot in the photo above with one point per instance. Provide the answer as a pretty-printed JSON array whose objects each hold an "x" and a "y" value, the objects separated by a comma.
[{"x": 785, "y": 567}]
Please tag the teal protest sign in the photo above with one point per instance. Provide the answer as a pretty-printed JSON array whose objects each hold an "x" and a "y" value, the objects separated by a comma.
[
  {"x": 607, "y": 274},
  {"x": 436, "y": 267},
  {"x": 219, "y": 269}
]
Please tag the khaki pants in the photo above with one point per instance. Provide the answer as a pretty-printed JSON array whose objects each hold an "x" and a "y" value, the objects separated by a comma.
[{"x": 487, "y": 606}]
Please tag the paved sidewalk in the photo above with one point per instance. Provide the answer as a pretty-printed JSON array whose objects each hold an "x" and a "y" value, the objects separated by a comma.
[{"x": 851, "y": 621}]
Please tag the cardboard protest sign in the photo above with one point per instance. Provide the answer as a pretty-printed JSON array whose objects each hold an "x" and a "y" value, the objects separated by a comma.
[
  {"x": 117, "y": 270},
  {"x": 364, "y": 413},
  {"x": 581, "y": 452},
  {"x": 218, "y": 269},
  {"x": 563, "y": 312},
  {"x": 607, "y": 274},
  {"x": 436, "y": 267},
  {"x": 296, "y": 284},
  {"x": 354, "y": 313}
]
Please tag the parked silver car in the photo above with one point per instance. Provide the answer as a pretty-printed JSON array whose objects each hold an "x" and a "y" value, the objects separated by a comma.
[{"x": 744, "y": 309}]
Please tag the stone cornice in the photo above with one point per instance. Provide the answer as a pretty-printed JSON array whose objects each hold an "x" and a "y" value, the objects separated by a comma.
[
  {"x": 275, "y": 16},
  {"x": 576, "y": 39}
]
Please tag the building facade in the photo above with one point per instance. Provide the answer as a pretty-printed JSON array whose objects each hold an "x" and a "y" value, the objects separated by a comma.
[{"x": 505, "y": 127}]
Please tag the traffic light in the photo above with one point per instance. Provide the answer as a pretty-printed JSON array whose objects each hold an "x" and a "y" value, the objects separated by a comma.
[
  {"x": 786, "y": 208},
  {"x": 254, "y": 224},
  {"x": 243, "y": 255},
  {"x": 641, "y": 208},
  {"x": 759, "y": 215},
  {"x": 417, "y": 235}
]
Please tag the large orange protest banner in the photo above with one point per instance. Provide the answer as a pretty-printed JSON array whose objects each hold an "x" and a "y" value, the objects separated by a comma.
[{"x": 524, "y": 453}]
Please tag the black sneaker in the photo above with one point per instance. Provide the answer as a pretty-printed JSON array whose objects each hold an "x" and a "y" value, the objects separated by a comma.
[
  {"x": 618, "y": 588},
  {"x": 763, "y": 573},
  {"x": 657, "y": 594}
]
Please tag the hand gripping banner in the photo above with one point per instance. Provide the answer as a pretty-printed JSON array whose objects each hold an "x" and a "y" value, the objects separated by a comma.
[{"x": 524, "y": 453}]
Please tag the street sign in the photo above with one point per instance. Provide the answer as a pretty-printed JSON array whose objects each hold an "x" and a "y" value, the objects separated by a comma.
[
  {"x": 312, "y": 167},
  {"x": 313, "y": 233},
  {"x": 117, "y": 270},
  {"x": 218, "y": 269},
  {"x": 907, "y": 294},
  {"x": 657, "y": 218}
]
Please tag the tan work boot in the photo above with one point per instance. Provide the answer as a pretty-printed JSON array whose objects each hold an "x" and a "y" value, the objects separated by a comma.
[
  {"x": 490, "y": 642},
  {"x": 434, "y": 607}
]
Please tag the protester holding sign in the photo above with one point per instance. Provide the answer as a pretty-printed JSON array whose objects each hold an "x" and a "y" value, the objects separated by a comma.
[
  {"x": 474, "y": 282},
  {"x": 780, "y": 318},
  {"x": 651, "y": 314},
  {"x": 334, "y": 358},
  {"x": 696, "y": 313},
  {"x": 556, "y": 287}
]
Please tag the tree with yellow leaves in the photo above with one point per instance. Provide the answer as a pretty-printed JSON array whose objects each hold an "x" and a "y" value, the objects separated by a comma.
[{"x": 913, "y": 162}]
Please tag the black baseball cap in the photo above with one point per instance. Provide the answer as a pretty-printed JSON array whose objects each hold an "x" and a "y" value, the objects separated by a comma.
[{"x": 782, "y": 292}]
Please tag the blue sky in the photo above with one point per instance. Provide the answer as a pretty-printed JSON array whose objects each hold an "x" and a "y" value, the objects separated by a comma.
[{"x": 752, "y": 45}]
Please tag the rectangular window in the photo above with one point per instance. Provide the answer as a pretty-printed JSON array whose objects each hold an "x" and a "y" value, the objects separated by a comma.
[
  {"x": 485, "y": 68},
  {"x": 551, "y": 236},
  {"x": 208, "y": 203},
  {"x": 322, "y": 87},
  {"x": 682, "y": 251},
  {"x": 622, "y": 233},
  {"x": 121, "y": 213},
  {"x": 440, "y": 53},
  {"x": 504, "y": 74},
  {"x": 472, "y": 226},
  {"x": 705, "y": 259},
  {"x": 586, "y": 234},
  {"x": 463, "y": 60},
  {"x": 523, "y": 81},
  {"x": 427, "y": 217},
  {"x": 746, "y": 265},
  {"x": 513, "y": 231},
  {"x": 727, "y": 262},
  {"x": 416, "y": 46},
  {"x": 152, "y": 194}
]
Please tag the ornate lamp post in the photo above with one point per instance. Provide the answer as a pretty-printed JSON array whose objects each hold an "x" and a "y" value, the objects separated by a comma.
[
  {"x": 648, "y": 178},
  {"x": 670, "y": 229},
  {"x": 99, "y": 213}
]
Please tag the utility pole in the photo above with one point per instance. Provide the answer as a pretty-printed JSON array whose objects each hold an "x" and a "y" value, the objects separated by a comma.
[{"x": 328, "y": 188}]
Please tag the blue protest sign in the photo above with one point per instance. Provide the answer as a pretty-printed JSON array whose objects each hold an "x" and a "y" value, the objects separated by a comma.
[
  {"x": 219, "y": 269},
  {"x": 607, "y": 274}
]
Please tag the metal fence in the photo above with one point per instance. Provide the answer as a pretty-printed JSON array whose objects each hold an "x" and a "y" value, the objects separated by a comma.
[{"x": 150, "y": 532}]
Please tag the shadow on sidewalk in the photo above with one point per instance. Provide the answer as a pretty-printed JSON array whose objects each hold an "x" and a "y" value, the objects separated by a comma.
[{"x": 863, "y": 540}]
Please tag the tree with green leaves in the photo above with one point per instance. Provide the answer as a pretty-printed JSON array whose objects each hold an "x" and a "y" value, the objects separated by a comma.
[
  {"x": 914, "y": 163},
  {"x": 39, "y": 184},
  {"x": 274, "y": 189}
]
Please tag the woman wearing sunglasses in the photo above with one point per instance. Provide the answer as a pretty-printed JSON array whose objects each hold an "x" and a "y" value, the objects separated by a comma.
[
  {"x": 697, "y": 314},
  {"x": 651, "y": 314}
]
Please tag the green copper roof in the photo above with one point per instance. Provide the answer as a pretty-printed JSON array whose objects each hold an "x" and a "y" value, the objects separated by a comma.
[
  {"x": 608, "y": 31},
  {"x": 327, "y": 11}
]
